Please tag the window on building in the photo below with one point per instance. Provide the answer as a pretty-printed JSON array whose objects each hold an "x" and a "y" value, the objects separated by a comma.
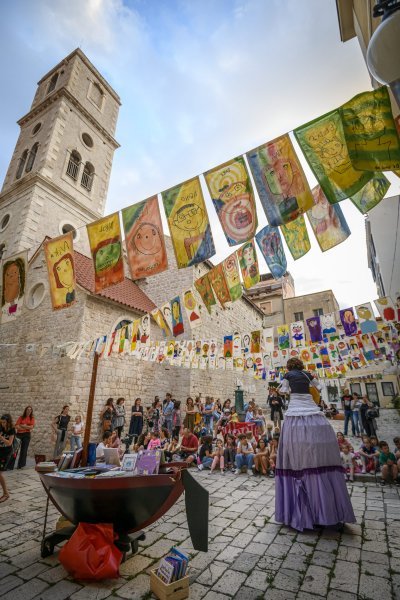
[
  {"x": 299, "y": 316},
  {"x": 5, "y": 221},
  {"x": 96, "y": 94},
  {"x": 372, "y": 393},
  {"x": 266, "y": 307},
  {"x": 87, "y": 176},
  {"x": 21, "y": 164},
  {"x": 36, "y": 295},
  {"x": 355, "y": 388},
  {"x": 31, "y": 157},
  {"x": 318, "y": 312},
  {"x": 87, "y": 140},
  {"x": 74, "y": 164},
  {"x": 52, "y": 83},
  {"x": 37, "y": 128},
  {"x": 387, "y": 388}
]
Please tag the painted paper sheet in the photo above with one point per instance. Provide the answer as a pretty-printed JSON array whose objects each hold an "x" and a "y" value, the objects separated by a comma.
[
  {"x": 177, "y": 318},
  {"x": 268, "y": 339},
  {"x": 283, "y": 336},
  {"x": 231, "y": 270},
  {"x": 203, "y": 286},
  {"x": 397, "y": 121},
  {"x": 255, "y": 342},
  {"x": 297, "y": 334},
  {"x": 144, "y": 238},
  {"x": 167, "y": 314},
  {"x": 237, "y": 344},
  {"x": 371, "y": 194},
  {"x": 314, "y": 328},
  {"x": 219, "y": 284},
  {"x": 188, "y": 223},
  {"x": 246, "y": 338},
  {"x": 159, "y": 319},
  {"x": 59, "y": 253},
  {"x": 270, "y": 243},
  {"x": 366, "y": 319},
  {"x": 296, "y": 237},
  {"x": 280, "y": 180},
  {"x": 233, "y": 197},
  {"x": 192, "y": 308},
  {"x": 249, "y": 264},
  {"x": 145, "y": 330},
  {"x": 370, "y": 131},
  {"x": 324, "y": 147},
  {"x": 13, "y": 278},
  {"x": 348, "y": 321},
  {"x": 386, "y": 308},
  {"x": 328, "y": 324},
  {"x": 327, "y": 221},
  {"x": 228, "y": 346},
  {"x": 105, "y": 246}
]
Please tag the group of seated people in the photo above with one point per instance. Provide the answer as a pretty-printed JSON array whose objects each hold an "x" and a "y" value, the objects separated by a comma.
[{"x": 371, "y": 457}]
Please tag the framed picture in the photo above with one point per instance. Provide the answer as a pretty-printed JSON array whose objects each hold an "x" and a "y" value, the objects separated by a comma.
[
  {"x": 129, "y": 462},
  {"x": 387, "y": 388}
]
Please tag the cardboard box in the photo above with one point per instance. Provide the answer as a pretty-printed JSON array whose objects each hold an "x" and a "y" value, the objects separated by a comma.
[{"x": 177, "y": 590}]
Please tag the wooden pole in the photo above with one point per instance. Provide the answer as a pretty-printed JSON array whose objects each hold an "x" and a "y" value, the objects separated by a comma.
[{"x": 89, "y": 412}]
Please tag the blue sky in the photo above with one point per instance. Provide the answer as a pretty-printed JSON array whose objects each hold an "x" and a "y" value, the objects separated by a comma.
[{"x": 201, "y": 81}]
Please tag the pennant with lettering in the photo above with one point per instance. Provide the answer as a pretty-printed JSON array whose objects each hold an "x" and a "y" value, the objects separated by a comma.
[
  {"x": 283, "y": 336},
  {"x": 13, "y": 278},
  {"x": 348, "y": 321},
  {"x": 327, "y": 221},
  {"x": 249, "y": 264},
  {"x": 297, "y": 334},
  {"x": 296, "y": 237},
  {"x": 192, "y": 308},
  {"x": 188, "y": 223},
  {"x": 280, "y": 180},
  {"x": 219, "y": 284},
  {"x": 314, "y": 328},
  {"x": 144, "y": 238},
  {"x": 105, "y": 246},
  {"x": 231, "y": 270},
  {"x": 177, "y": 318},
  {"x": 203, "y": 286},
  {"x": 59, "y": 253},
  {"x": 233, "y": 197},
  {"x": 328, "y": 324},
  {"x": 370, "y": 131},
  {"x": 366, "y": 319},
  {"x": 159, "y": 319},
  {"x": 324, "y": 146},
  {"x": 270, "y": 243},
  {"x": 386, "y": 308},
  {"x": 371, "y": 194}
]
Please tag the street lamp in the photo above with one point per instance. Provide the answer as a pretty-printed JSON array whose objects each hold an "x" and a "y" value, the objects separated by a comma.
[{"x": 383, "y": 54}]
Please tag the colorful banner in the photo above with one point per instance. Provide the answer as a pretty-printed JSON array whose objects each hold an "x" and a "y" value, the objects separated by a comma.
[
  {"x": 249, "y": 264},
  {"x": 231, "y": 270},
  {"x": 297, "y": 334},
  {"x": 280, "y": 181},
  {"x": 219, "y": 284},
  {"x": 348, "y": 321},
  {"x": 296, "y": 237},
  {"x": 13, "y": 278},
  {"x": 386, "y": 308},
  {"x": 192, "y": 309},
  {"x": 145, "y": 330},
  {"x": 203, "y": 286},
  {"x": 328, "y": 324},
  {"x": 167, "y": 314},
  {"x": 397, "y": 122},
  {"x": 59, "y": 254},
  {"x": 177, "y": 318},
  {"x": 366, "y": 319},
  {"x": 270, "y": 244},
  {"x": 159, "y": 319},
  {"x": 314, "y": 328},
  {"x": 370, "y": 131},
  {"x": 188, "y": 223},
  {"x": 233, "y": 197},
  {"x": 255, "y": 342},
  {"x": 324, "y": 147},
  {"x": 228, "y": 346},
  {"x": 327, "y": 221},
  {"x": 144, "y": 238},
  {"x": 283, "y": 336},
  {"x": 371, "y": 194},
  {"x": 268, "y": 339},
  {"x": 105, "y": 246}
]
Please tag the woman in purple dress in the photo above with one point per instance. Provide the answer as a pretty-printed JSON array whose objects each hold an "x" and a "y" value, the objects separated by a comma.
[{"x": 310, "y": 486}]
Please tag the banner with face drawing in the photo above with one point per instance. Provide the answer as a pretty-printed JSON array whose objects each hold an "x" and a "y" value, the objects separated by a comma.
[
  {"x": 59, "y": 255},
  {"x": 105, "y": 246},
  {"x": 13, "y": 278}
]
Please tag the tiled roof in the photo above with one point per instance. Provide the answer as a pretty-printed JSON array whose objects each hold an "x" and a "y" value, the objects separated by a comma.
[{"x": 126, "y": 292}]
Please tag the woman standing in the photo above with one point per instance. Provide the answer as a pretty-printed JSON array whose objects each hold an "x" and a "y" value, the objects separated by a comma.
[
  {"x": 356, "y": 415},
  {"x": 107, "y": 415},
  {"x": 60, "y": 428},
  {"x": 7, "y": 434},
  {"x": 310, "y": 487},
  {"x": 188, "y": 421},
  {"x": 363, "y": 415},
  {"x": 24, "y": 425},
  {"x": 208, "y": 414},
  {"x": 136, "y": 424},
  {"x": 119, "y": 416}
]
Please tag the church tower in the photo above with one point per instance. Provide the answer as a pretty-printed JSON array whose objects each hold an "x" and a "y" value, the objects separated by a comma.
[{"x": 58, "y": 176}]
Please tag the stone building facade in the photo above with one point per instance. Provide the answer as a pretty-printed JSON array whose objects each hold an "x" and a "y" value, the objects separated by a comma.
[{"x": 300, "y": 308}]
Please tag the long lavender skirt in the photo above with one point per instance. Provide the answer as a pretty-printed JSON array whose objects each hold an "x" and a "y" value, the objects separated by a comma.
[{"x": 310, "y": 486}]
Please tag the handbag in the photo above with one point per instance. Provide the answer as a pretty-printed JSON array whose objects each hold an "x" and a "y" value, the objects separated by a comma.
[
  {"x": 316, "y": 396},
  {"x": 106, "y": 424}
]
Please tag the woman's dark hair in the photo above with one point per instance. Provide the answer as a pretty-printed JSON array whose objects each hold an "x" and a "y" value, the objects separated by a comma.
[
  {"x": 136, "y": 401},
  {"x": 177, "y": 404},
  {"x": 225, "y": 403},
  {"x": 187, "y": 400},
  {"x": 206, "y": 439},
  {"x": 65, "y": 406},
  {"x": 140, "y": 439},
  {"x": 106, "y": 435},
  {"x": 120, "y": 400},
  {"x": 8, "y": 419},
  {"x": 154, "y": 405},
  {"x": 24, "y": 415},
  {"x": 261, "y": 440},
  {"x": 294, "y": 364},
  {"x": 165, "y": 431},
  {"x": 109, "y": 401}
]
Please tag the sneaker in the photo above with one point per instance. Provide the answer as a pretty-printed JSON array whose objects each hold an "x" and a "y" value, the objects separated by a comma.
[
  {"x": 233, "y": 470},
  {"x": 271, "y": 474},
  {"x": 200, "y": 467},
  {"x": 237, "y": 471},
  {"x": 382, "y": 483},
  {"x": 363, "y": 471}
]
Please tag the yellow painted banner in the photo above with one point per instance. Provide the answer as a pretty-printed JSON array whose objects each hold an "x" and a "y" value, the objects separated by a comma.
[
  {"x": 59, "y": 253},
  {"x": 105, "y": 245}
]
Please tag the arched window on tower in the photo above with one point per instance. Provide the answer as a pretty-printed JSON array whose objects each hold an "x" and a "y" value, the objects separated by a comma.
[
  {"x": 21, "y": 164},
  {"x": 74, "y": 164},
  {"x": 87, "y": 176},
  {"x": 52, "y": 83},
  {"x": 31, "y": 157}
]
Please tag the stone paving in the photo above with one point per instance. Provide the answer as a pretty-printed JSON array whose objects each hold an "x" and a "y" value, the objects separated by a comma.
[{"x": 250, "y": 556}]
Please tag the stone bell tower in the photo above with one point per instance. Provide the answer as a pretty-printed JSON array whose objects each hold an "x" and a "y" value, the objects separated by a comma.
[{"x": 58, "y": 176}]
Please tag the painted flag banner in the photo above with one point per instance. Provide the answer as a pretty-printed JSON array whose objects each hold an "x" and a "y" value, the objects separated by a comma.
[
  {"x": 370, "y": 131},
  {"x": 297, "y": 334},
  {"x": 328, "y": 324},
  {"x": 145, "y": 330},
  {"x": 283, "y": 336},
  {"x": 177, "y": 319},
  {"x": 135, "y": 335},
  {"x": 188, "y": 223},
  {"x": 255, "y": 342},
  {"x": 13, "y": 279},
  {"x": 270, "y": 244},
  {"x": 314, "y": 328},
  {"x": 323, "y": 144},
  {"x": 219, "y": 284},
  {"x": 237, "y": 345},
  {"x": 246, "y": 338},
  {"x": 386, "y": 308},
  {"x": 280, "y": 181},
  {"x": 105, "y": 246},
  {"x": 296, "y": 237},
  {"x": 159, "y": 319},
  {"x": 397, "y": 121},
  {"x": 366, "y": 319},
  {"x": 327, "y": 221},
  {"x": 192, "y": 308},
  {"x": 233, "y": 198},
  {"x": 203, "y": 286},
  {"x": 167, "y": 314},
  {"x": 59, "y": 253},
  {"x": 231, "y": 270},
  {"x": 348, "y": 321},
  {"x": 144, "y": 238},
  {"x": 249, "y": 264},
  {"x": 371, "y": 194},
  {"x": 228, "y": 346},
  {"x": 268, "y": 339}
]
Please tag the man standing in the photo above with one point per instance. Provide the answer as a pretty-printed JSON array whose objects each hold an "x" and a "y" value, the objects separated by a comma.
[
  {"x": 348, "y": 405},
  {"x": 276, "y": 405},
  {"x": 168, "y": 407}
]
